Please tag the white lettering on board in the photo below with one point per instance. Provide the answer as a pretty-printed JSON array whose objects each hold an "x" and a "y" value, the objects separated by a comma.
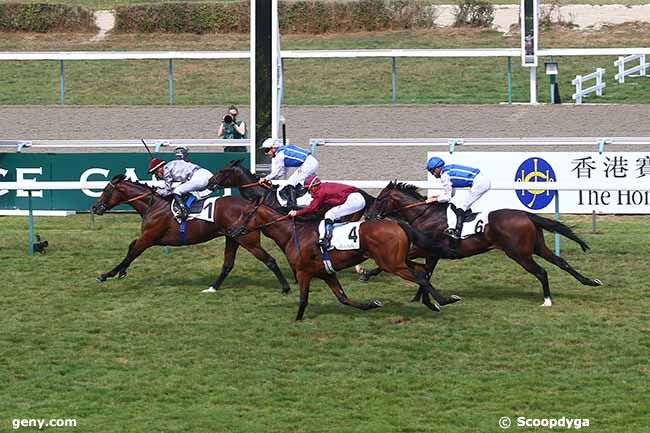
[
  {"x": 3, "y": 173},
  {"x": 84, "y": 178},
  {"x": 20, "y": 177}
]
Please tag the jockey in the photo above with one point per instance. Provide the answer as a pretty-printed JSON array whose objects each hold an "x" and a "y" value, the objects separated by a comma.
[
  {"x": 191, "y": 176},
  {"x": 457, "y": 176},
  {"x": 338, "y": 199},
  {"x": 287, "y": 156}
]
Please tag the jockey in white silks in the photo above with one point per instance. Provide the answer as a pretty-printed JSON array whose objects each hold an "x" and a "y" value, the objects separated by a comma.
[
  {"x": 458, "y": 176},
  {"x": 284, "y": 157},
  {"x": 191, "y": 178}
]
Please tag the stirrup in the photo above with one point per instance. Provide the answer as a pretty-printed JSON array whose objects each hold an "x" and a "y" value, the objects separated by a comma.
[{"x": 452, "y": 233}]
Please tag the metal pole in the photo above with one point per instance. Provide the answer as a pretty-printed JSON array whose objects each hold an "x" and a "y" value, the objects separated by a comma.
[
  {"x": 61, "y": 83},
  {"x": 31, "y": 222},
  {"x": 510, "y": 80},
  {"x": 593, "y": 221},
  {"x": 394, "y": 80},
  {"x": 552, "y": 89},
  {"x": 171, "y": 82},
  {"x": 557, "y": 218}
]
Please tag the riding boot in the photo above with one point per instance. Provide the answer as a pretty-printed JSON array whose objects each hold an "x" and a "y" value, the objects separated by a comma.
[
  {"x": 326, "y": 240},
  {"x": 460, "y": 218},
  {"x": 183, "y": 211},
  {"x": 292, "y": 201}
]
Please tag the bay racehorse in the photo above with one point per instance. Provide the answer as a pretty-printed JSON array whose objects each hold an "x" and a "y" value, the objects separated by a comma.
[
  {"x": 234, "y": 175},
  {"x": 159, "y": 227},
  {"x": 386, "y": 242},
  {"x": 517, "y": 233}
]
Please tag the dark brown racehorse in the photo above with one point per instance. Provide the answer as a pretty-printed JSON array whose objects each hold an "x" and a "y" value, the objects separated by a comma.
[
  {"x": 517, "y": 233},
  {"x": 386, "y": 242},
  {"x": 234, "y": 175},
  {"x": 159, "y": 227}
]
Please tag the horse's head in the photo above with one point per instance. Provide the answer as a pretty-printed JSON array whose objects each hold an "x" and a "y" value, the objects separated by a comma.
[
  {"x": 111, "y": 196},
  {"x": 243, "y": 224},
  {"x": 229, "y": 176},
  {"x": 392, "y": 198}
]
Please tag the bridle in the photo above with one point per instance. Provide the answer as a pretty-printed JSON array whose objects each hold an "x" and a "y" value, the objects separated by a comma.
[
  {"x": 381, "y": 215},
  {"x": 238, "y": 231},
  {"x": 104, "y": 205}
]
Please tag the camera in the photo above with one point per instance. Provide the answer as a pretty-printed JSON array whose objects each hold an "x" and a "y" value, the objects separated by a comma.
[
  {"x": 40, "y": 245},
  {"x": 228, "y": 119}
]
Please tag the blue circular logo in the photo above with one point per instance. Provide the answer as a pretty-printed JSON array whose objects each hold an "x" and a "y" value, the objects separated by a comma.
[{"x": 535, "y": 170}]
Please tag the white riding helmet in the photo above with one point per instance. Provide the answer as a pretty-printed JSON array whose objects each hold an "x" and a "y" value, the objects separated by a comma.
[{"x": 271, "y": 142}]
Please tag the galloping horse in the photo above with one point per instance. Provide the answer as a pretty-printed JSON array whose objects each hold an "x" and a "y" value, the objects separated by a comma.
[
  {"x": 518, "y": 233},
  {"x": 234, "y": 175},
  {"x": 299, "y": 241},
  {"x": 160, "y": 228}
]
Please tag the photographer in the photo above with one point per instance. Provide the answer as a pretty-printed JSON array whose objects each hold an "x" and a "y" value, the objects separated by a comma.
[{"x": 232, "y": 129}]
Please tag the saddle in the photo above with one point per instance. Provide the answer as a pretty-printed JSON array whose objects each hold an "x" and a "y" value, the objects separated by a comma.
[
  {"x": 473, "y": 224},
  {"x": 199, "y": 209},
  {"x": 302, "y": 196}
]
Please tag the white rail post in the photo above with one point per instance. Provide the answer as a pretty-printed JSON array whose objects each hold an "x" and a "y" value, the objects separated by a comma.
[
  {"x": 644, "y": 65},
  {"x": 621, "y": 69},
  {"x": 599, "y": 81},
  {"x": 578, "y": 84}
]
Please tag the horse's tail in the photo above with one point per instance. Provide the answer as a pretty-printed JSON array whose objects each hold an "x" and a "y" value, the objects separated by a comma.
[
  {"x": 425, "y": 242},
  {"x": 557, "y": 227}
]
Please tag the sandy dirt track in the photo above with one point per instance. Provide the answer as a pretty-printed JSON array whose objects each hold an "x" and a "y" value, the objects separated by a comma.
[{"x": 303, "y": 123}]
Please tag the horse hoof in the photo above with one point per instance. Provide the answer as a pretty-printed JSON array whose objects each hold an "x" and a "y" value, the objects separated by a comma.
[
  {"x": 454, "y": 298},
  {"x": 286, "y": 290},
  {"x": 122, "y": 276},
  {"x": 436, "y": 307},
  {"x": 100, "y": 278},
  {"x": 547, "y": 302},
  {"x": 364, "y": 279},
  {"x": 359, "y": 270},
  {"x": 209, "y": 290},
  {"x": 597, "y": 282},
  {"x": 377, "y": 303}
]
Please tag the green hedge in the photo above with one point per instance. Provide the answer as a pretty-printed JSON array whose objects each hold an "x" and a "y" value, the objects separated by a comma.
[
  {"x": 183, "y": 18},
  {"x": 42, "y": 18},
  {"x": 301, "y": 16}
]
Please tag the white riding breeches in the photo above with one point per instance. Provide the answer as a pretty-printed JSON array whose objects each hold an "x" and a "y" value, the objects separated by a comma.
[
  {"x": 480, "y": 186},
  {"x": 198, "y": 182},
  {"x": 354, "y": 203},
  {"x": 309, "y": 167}
]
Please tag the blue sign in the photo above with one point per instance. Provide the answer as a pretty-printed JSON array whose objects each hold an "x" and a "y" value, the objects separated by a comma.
[{"x": 535, "y": 170}]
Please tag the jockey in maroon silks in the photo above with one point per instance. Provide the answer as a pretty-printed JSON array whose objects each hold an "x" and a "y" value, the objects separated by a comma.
[{"x": 336, "y": 200}]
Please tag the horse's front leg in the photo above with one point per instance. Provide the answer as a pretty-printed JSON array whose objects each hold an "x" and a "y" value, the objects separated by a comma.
[
  {"x": 367, "y": 275},
  {"x": 135, "y": 249},
  {"x": 228, "y": 263},
  {"x": 336, "y": 288}
]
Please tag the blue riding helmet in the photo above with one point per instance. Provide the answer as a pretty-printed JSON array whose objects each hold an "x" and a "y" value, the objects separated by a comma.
[{"x": 434, "y": 162}]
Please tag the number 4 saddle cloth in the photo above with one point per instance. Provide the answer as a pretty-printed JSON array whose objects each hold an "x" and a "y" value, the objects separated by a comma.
[{"x": 344, "y": 237}]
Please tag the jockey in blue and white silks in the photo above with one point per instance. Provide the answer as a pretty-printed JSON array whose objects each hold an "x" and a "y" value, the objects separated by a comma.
[
  {"x": 284, "y": 157},
  {"x": 454, "y": 176}
]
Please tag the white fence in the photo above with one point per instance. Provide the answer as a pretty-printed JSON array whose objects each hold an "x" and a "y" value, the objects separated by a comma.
[
  {"x": 640, "y": 68},
  {"x": 581, "y": 79}
]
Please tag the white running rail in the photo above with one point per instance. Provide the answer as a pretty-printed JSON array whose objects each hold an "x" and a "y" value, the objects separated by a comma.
[
  {"x": 580, "y": 80},
  {"x": 640, "y": 68}
]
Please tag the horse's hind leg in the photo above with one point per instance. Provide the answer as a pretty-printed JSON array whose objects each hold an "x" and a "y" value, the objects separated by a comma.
[
  {"x": 367, "y": 275},
  {"x": 135, "y": 249},
  {"x": 543, "y": 251},
  {"x": 531, "y": 266},
  {"x": 430, "y": 265},
  {"x": 336, "y": 288}
]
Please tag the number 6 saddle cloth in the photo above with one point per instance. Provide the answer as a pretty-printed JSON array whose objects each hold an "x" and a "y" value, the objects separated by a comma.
[
  {"x": 473, "y": 224},
  {"x": 344, "y": 237}
]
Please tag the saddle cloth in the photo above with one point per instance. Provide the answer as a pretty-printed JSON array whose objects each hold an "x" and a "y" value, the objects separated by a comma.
[
  {"x": 473, "y": 225},
  {"x": 344, "y": 237},
  {"x": 199, "y": 209},
  {"x": 302, "y": 197}
]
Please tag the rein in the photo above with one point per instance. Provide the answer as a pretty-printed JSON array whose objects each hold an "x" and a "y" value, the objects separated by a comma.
[
  {"x": 137, "y": 197},
  {"x": 408, "y": 206},
  {"x": 249, "y": 185}
]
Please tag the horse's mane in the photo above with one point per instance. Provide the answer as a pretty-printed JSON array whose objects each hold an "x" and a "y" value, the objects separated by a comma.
[
  {"x": 408, "y": 189},
  {"x": 122, "y": 178},
  {"x": 237, "y": 163}
]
